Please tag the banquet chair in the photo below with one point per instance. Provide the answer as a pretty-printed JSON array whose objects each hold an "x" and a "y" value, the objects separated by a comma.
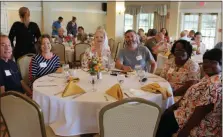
[
  {"x": 23, "y": 64},
  {"x": 23, "y": 117},
  {"x": 59, "y": 50},
  {"x": 78, "y": 50},
  {"x": 131, "y": 117},
  {"x": 111, "y": 44},
  {"x": 117, "y": 49}
]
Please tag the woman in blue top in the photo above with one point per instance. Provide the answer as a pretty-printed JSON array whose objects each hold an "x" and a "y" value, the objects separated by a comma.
[{"x": 45, "y": 62}]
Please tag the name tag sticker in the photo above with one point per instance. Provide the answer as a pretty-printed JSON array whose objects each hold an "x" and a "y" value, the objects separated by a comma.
[
  {"x": 139, "y": 57},
  {"x": 170, "y": 70},
  {"x": 7, "y": 73},
  {"x": 43, "y": 64}
]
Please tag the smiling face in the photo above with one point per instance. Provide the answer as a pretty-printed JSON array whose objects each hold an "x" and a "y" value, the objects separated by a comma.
[
  {"x": 6, "y": 49},
  {"x": 130, "y": 39},
  {"x": 99, "y": 38},
  {"x": 45, "y": 45}
]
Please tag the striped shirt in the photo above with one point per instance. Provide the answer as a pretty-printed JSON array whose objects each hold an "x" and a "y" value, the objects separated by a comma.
[{"x": 39, "y": 66}]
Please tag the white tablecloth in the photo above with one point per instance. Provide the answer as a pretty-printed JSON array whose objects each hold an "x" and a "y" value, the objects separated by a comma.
[
  {"x": 161, "y": 59},
  {"x": 69, "y": 54},
  {"x": 68, "y": 116}
]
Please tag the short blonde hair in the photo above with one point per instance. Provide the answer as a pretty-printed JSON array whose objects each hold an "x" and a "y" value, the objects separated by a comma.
[{"x": 23, "y": 11}]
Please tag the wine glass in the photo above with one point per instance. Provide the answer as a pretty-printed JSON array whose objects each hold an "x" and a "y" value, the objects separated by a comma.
[
  {"x": 141, "y": 75},
  {"x": 138, "y": 68},
  {"x": 121, "y": 79},
  {"x": 93, "y": 80}
]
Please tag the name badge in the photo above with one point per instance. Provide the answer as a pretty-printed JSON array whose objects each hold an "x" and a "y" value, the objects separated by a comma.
[
  {"x": 7, "y": 73},
  {"x": 43, "y": 64},
  {"x": 170, "y": 70},
  {"x": 139, "y": 57}
]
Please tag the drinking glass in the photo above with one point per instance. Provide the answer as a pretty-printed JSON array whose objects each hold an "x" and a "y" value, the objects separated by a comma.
[
  {"x": 138, "y": 68},
  {"x": 141, "y": 75},
  {"x": 121, "y": 79},
  {"x": 93, "y": 80}
]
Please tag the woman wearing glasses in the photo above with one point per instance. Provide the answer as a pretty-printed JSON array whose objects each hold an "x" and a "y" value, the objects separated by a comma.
[{"x": 181, "y": 72}]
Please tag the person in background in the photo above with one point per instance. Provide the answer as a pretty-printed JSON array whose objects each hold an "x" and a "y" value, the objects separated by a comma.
[
  {"x": 153, "y": 42},
  {"x": 56, "y": 25},
  {"x": 198, "y": 44},
  {"x": 151, "y": 33},
  {"x": 26, "y": 33},
  {"x": 98, "y": 48},
  {"x": 165, "y": 33},
  {"x": 199, "y": 112},
  {"x": 45, "y": 62},
  {"x": 181, "y": 72},
  {"x": 10, "y": 76},
  {"x": 72, "y": 27},
  {"x": 81, "y": 36},
  {"x": 134, "y": 54},
  {"x": 191, "y": 34},
  {"x": 218, "y": 45},
  {"x": 141, "y": 35},
  {"x": 183, "y": 36},
  {"x": 60, "y": 37}
]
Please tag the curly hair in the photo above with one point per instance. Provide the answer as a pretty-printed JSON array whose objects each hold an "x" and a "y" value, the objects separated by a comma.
[
  {"x": 39, "y": 42},
  {"x": 186, "y": 45},
  {"x": 213, "y": 54}
]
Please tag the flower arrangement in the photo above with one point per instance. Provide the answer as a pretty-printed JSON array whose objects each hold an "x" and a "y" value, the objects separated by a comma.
[
  {"x": 95, "y": 65},
  {"x": 68, "y": 39}
]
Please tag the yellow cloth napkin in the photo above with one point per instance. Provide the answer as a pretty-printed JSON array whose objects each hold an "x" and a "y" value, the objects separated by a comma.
[
  {"x": 72, "y": 89},
  {"x": 156, "y": 88},
  {"x": 115, "y": 91},
  {"x": 167, "y": 53},
  {"x": 73, "y": 79}
]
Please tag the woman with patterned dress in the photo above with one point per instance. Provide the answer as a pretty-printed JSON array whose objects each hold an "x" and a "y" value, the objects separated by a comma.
[
  {"x": 199, "y": 112},
  {"x": 181, "y": 72}
]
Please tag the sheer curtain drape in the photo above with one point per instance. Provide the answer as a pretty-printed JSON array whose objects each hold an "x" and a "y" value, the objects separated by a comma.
[{"x": 160, "y": 17}]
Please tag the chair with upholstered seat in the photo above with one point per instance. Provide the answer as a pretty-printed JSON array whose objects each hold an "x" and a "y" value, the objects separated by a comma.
[
  {"x": 23, "y": 64},
  {"x": 23, "y": 117},
  {"x": 59, "y": 50},
  {"x": 79, "y": 49},
  {"x": 131, "y": 117}
]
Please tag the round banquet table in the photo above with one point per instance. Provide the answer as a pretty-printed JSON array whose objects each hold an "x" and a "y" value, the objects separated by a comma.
[
  {"x": 78, "y": 114},
  {"x": 161, "y": 59}
]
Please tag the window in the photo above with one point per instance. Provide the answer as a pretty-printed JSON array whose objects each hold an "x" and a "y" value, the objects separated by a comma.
[
  {"x": 128, "y": 22},
  {"x": 146, "y": 21},
  {"x": 4, "y": 19},
  {"x": 205, "y": 23}
]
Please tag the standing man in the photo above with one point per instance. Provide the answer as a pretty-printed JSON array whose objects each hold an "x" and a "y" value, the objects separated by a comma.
[
  {"x": 56, "y": 25},
  {"x": 72, "y": 27},
  {"x": 27, "y": 33},
  {"x": 134, "y": 54}
]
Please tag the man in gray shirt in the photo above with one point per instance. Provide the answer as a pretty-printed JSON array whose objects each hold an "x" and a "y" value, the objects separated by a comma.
[{"x": 134, "y": 54}]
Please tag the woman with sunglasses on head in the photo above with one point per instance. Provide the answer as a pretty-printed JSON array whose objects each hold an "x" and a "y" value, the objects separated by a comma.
[
  {"x": 181, "y": 72},
  {"x": 199, "y": 112}
]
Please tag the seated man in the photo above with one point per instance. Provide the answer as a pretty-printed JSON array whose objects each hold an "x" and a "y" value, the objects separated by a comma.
[
  {"x": 134, "y": 54},
  {"x": 81, "y": 36},
  {"x": 60, "y": 37},
  {"x": 199, "y": 112},
  {"x": 153, "y": 42},
  {"x": 10, "y": 77}
]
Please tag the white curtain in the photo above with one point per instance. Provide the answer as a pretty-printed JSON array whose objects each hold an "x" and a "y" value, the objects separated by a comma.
[
  {"x": 160, "y": 17},
  {"x": 4, "y": 18},
  {"x": 133, "y": 10}
]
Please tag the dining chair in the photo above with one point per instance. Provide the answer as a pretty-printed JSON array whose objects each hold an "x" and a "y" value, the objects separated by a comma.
[
  {"x": 111, "y": 44},
  {"x": 23, "y": 117},
  {"x": 23, "y": 65},
  {"x": 59, "y": 50},
  {"x": 117, "y": 49},
  {"x": 79, "y": 49},
  {"x": 131, "y": 117}
]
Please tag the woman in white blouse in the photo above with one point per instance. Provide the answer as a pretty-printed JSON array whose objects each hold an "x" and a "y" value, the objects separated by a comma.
[
  {"x": 198, "y": 44},
  {"x": 99, "y": 47}
]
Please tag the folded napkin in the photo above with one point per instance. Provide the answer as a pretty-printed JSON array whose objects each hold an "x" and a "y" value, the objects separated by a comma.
[
  {"x": 72, "y": 89},
  {"x": 156, "y": 88},
  {"x": 73, "y": 79},
  {"x": 115, "y": 91}
]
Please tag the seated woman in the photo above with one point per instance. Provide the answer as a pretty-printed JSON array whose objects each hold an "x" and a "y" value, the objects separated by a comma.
[
  {"x": 165, "y": 33},
  {"x": 199, "y": 112},
  {"x": 81, "y": 36},
  {"x": 10, "y": 77},
  {"x": 60, "y": 37},
  {"x": 45, "y": 62},
  {"x": 198, "y": 44},
  {"x": 181, "y": 72},
  {"x": 98, "y": 48}
]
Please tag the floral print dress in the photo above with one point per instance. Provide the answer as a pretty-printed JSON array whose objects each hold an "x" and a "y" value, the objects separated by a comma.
[{"x": 178, "y": 76}]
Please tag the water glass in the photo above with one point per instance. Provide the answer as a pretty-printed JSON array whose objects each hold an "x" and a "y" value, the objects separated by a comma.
[
  {"x": 93, "y": 80},
  {"x": 138, "y": 68},
  {"x": 141, "y": 75},
  {"x": 121, "y": 79}
]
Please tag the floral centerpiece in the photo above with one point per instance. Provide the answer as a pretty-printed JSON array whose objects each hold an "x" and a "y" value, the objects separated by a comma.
[
  {"x": 194, "y": 49},
  {"x": 69, "y": 40},
  {"x": 95, "y": 66}
]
